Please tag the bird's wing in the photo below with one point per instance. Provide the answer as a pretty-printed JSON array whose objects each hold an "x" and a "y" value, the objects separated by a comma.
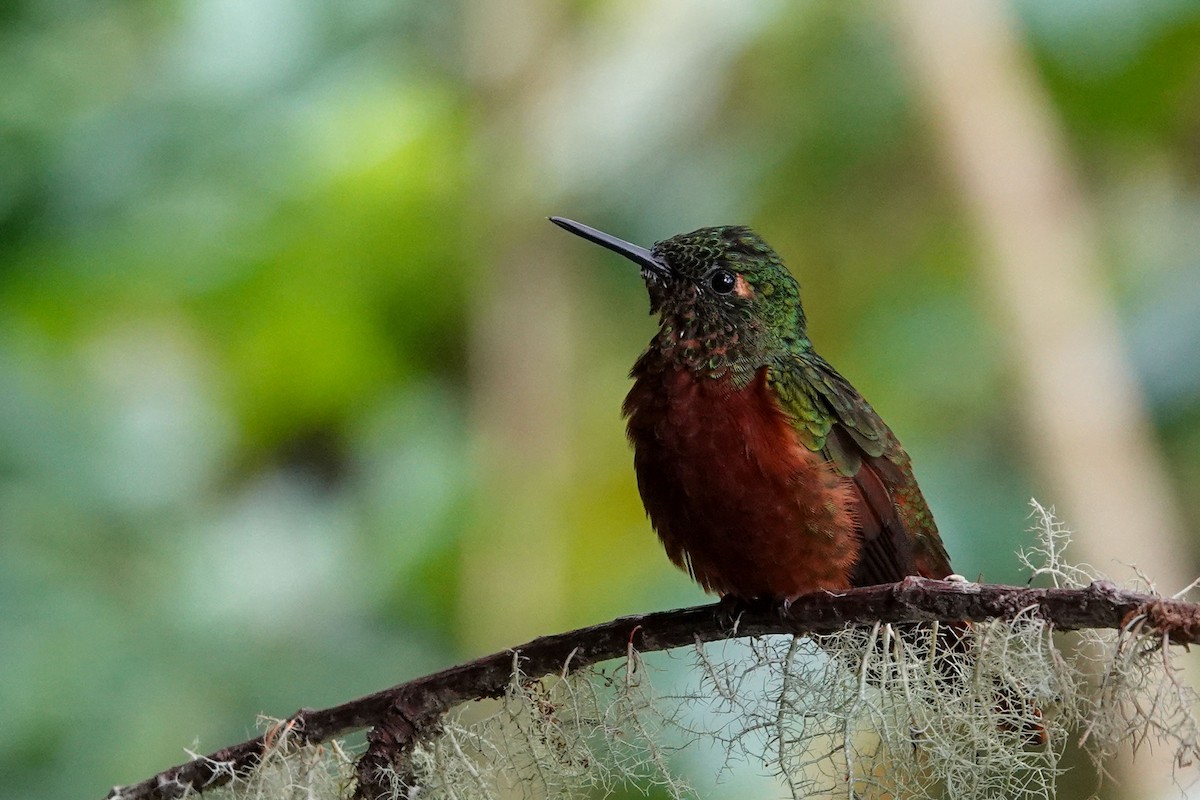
[{"x": 899, "y": 537}]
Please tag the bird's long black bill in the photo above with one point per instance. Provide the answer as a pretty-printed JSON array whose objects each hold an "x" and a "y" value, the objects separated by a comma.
[{"x": 638, "y": 255}]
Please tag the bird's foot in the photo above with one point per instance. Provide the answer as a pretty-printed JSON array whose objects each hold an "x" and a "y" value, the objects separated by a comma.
[
  {"x": 729, "y": 612},
  {"x": 731, "y": 609},
  {"x": 783, "y": 608}
]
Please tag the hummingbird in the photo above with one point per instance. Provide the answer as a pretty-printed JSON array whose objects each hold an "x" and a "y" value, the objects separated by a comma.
[{"x": 765, "y": 473}]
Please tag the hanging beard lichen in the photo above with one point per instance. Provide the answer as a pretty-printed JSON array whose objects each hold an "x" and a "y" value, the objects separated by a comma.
[{"x": 871, "y": 711}]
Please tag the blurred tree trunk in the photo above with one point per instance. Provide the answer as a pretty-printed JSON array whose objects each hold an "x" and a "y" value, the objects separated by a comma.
[
  {"x": 1083, "y": 412},
  {"x": 514, "y": 550}
]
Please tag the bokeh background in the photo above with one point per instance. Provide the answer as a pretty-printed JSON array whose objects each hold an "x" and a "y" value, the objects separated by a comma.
[{"x": 300, "y": 395}]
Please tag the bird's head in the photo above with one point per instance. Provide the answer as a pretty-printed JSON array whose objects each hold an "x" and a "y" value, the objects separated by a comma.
[{"x": 723, "y": 287}]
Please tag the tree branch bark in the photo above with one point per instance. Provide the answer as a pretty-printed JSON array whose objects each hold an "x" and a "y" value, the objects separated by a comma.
[{"x": 419, "y": 704}]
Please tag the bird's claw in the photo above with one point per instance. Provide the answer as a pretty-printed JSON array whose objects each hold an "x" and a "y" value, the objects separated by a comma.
[
  {"x": 729, "y": 612},
  {"x": 784, "y": 608},
  {"x": 731, "y": 609}
]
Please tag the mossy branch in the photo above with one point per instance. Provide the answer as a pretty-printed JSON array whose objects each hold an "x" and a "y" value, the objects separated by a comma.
[{"x": 404, "y": 714}]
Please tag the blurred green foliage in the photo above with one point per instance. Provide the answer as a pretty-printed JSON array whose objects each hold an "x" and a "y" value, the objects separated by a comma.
[{"x": 240, "y": 258}]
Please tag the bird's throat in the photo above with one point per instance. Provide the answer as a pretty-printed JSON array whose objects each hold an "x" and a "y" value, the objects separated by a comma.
[{"x": 711, "y": 348}]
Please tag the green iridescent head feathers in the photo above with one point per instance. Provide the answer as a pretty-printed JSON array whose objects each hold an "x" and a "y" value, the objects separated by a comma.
[
  {"x": 725, "y": 300},
  {"x": 705, "y": 259}
]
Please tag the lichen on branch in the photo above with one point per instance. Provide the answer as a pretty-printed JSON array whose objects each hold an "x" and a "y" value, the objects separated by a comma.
[{"x": 839, "y": 693}]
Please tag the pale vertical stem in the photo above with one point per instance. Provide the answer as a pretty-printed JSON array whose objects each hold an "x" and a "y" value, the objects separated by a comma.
[
  {"x": 515, "y": 549},
  {"x": 1084, "y": 414}
]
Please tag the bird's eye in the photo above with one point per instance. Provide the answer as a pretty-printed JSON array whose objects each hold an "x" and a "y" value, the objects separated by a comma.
[{"x": 722, "y": 281}]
